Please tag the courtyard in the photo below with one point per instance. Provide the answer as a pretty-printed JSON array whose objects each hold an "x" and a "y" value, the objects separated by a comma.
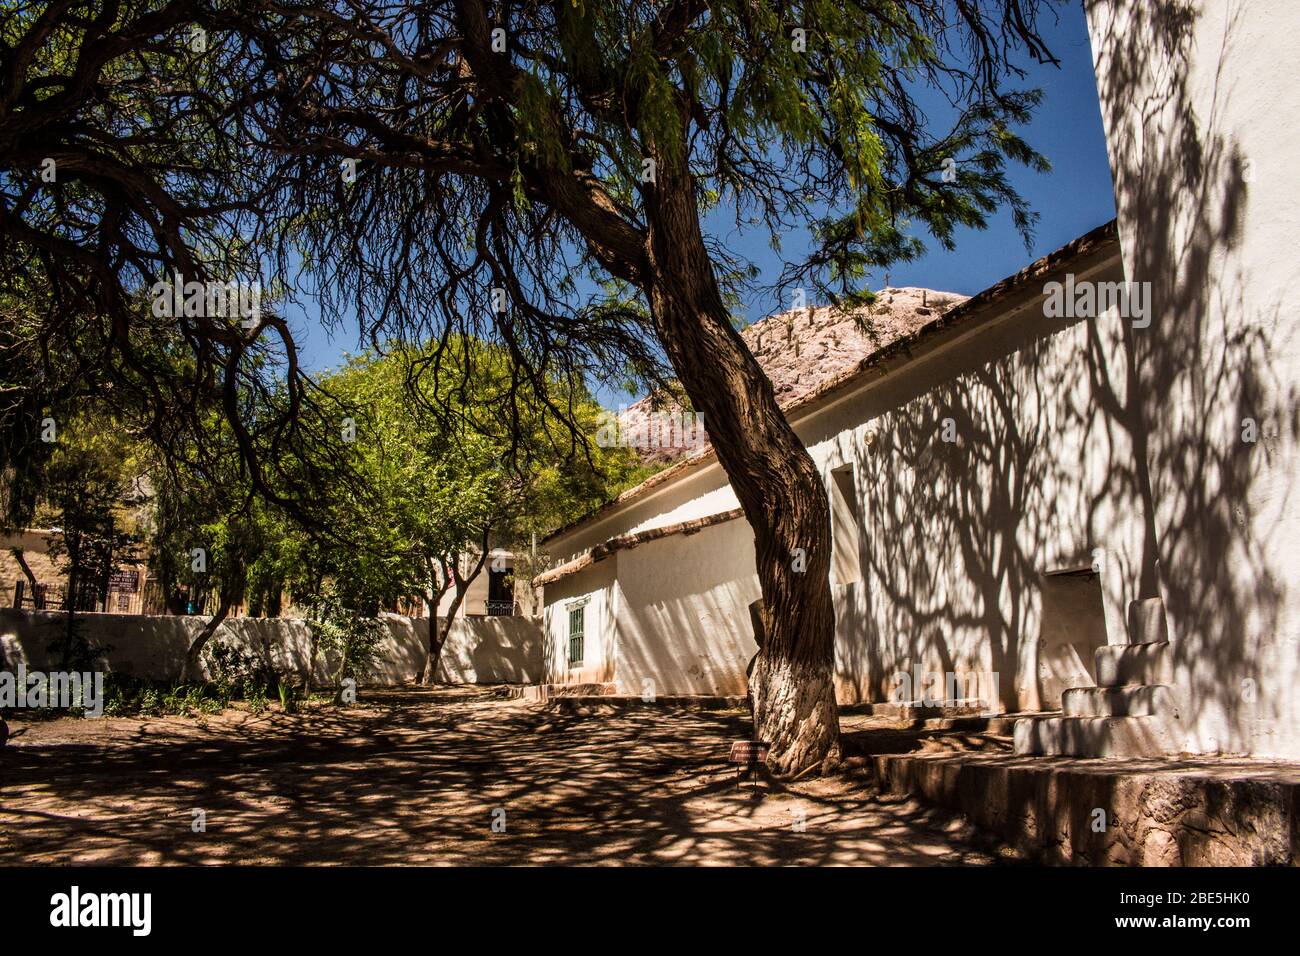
[{"x": 449, "y": 776}]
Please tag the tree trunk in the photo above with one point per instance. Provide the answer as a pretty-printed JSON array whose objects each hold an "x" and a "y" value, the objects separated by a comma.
[
  {"x": 772, "y": 473},
  {"x": 438, "y": 635},
  {"x": 21, "y": 558},
  {"x": 73, "y": 543},
  {"x": 435, "y": 642},
  {"x": 313, "y": 647},
  {"x": 191, "y": 669}
]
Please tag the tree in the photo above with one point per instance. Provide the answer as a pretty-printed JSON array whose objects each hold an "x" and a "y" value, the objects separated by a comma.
[
  {"x": 495, "y": 155},
  {"x": 207, "y": 529},
  {"x": 88, "y": 482},
  {"x": 444, "y": 479},
  {"x": 123, "y": 164},
  {"x": 497, "y": 150}
]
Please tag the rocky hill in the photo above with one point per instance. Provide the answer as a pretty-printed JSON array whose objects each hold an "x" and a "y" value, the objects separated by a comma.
[{"x": 799, "y": 350}]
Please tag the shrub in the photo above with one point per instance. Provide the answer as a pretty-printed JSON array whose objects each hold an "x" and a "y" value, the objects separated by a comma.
[{"x": 243, "y": 675}]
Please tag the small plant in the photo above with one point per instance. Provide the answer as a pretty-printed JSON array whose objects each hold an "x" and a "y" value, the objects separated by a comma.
[
  {"x": 288, "y": 700},
  {"x": 352, "y": 638},
  {"x": 134, "y": 696},
  {"x": 150, "y": 702},
  {"x": 243, "y": 675}
]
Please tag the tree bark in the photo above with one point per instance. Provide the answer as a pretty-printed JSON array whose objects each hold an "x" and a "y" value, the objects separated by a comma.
[
  {"x": 191, "y": 669},
  {"x": 774, "y": 477},
  {"x": 772, "y": 473},
  {"x": 21, "y": 558},
  {"x": 438, "y": 635},
  {"x": 431, "y": 602},
  {"x": 73, "y": 544}
]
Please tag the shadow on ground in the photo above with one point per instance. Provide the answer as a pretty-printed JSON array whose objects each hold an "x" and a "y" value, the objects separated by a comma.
[{"x": 414, "y": 776}]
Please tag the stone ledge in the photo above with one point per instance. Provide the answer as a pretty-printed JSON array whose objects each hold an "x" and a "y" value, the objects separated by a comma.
[
  {"x": 1159, "y": 812},
  {"x": 1120, "y": 665},
  {"x": 571, "y": 704},
  {"x": 545, "y": 692}
]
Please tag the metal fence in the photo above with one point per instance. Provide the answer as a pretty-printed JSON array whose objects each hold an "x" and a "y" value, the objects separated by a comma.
[
  {"x": 88, "y": 598},
  {"x": 54, "y": 597}
]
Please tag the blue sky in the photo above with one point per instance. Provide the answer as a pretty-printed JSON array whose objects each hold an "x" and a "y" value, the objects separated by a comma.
[{"x": 1073, "y": 198}]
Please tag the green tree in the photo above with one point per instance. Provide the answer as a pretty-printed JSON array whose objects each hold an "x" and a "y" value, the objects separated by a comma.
[
  {"x": 446, "y": 479},
  {"x": 88, "y": 485},
  {"x": 503, "y": 153},
  {"x": 503, "y": 149},
  {"x": 207, "y": 529}
]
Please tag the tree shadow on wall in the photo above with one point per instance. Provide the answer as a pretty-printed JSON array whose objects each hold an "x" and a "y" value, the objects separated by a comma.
[{"x": 1187, "y": 384}]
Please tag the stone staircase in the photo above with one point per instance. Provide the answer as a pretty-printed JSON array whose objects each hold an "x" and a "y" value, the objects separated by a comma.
[{"x": 1132, "y": 712}]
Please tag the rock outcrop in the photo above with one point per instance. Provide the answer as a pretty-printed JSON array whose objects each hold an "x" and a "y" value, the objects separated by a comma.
[{"x": 799, "y": 350}]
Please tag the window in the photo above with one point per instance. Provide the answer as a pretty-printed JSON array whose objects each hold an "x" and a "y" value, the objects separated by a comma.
[
  {"x": 844, "y": 526},
  {"x": 577, "y": 628},
  {"x": 501, "y": 597}
]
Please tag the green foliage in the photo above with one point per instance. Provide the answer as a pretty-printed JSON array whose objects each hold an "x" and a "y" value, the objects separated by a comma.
[
  {"x": 438, "y": 469},
  {"x": 126, "y": 696},
  {"x": 868, "y": 122},
  {"x": 236, "y": 673},
  {"x": 351, "y": 638},
  {"x": 87, "y": 490}
]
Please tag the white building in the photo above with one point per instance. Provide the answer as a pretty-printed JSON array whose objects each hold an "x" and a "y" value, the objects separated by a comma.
[{"x": 1037, "y": 497}]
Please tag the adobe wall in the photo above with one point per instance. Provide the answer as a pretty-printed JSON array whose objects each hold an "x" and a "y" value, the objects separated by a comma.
[
  {"x": 1196, "y": 99},
  {"x": 478, "y": 650},
  {"x": 683, "y": 619}
]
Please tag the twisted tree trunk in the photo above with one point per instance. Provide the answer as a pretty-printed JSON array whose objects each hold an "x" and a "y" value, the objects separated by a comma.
[
  {"x": 192, "y": 669},
  {"x": 438, "y": 634},
  {"x": 772, "y": 473},
  {"x": 775, "y": 479}
]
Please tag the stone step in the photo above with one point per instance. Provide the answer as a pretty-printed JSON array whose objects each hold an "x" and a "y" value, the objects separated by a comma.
[
  {"x": 1141, "y": 700},
  {"x": 551, "y": 691},
  {"x": 1207, "y": 811},
  {"x": 600, "y": 704},
  {"x": 1146, "y": 622},
  {"x": 1097, "y": 736},
  {"x": 1119, "y": 665}
]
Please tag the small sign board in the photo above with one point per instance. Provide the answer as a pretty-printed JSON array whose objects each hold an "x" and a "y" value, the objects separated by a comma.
[
  {"x": 124, "y": 582},
  {"x": 748, "y": 751}
]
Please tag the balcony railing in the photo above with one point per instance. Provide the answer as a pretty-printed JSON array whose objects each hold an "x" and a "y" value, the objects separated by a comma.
[{"x": 500, "y": 608}]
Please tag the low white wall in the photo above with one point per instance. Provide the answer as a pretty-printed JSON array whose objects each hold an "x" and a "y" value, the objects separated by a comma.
[
  {"x": 489, "y": 650},
  {"x": 479, "y": 650}
]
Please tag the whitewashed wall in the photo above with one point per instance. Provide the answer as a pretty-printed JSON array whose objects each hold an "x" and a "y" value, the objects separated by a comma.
[
  {"x": 683, "y": 621},
  {"x": 478, "y": 650},
  {"x": 1198, "y": 100},
  {"x": 1098, "y": 434},
  {"x": 596, "y": 589},
  {"x": 955, "y": 539}
]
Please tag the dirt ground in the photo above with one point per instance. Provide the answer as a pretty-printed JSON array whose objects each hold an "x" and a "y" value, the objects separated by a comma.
[{"x": 420, "y": 776}]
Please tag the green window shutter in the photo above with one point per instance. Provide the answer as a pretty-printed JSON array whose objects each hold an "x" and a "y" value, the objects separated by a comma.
[{"x": 577, "y": 629}]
